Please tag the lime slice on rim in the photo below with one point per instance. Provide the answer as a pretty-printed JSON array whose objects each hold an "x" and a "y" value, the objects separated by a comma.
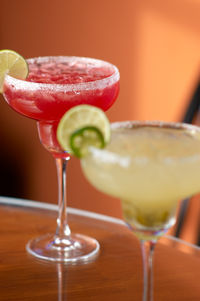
[
  {"x": 13, "y": 64},
  {"x": 81, "y": 127}
]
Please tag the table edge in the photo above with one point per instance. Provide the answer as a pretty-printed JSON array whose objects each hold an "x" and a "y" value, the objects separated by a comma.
[{"x": 11, "y": 201}]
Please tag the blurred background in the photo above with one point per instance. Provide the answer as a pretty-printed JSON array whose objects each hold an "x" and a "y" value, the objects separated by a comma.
[{"x": 156, "y": 46}]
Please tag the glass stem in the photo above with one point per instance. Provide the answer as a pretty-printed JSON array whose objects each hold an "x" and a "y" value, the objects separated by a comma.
[
  {"x": 147, "y": 255},
  {"x": 62, "y": 282},
  {"x": 63, "y": 230}
]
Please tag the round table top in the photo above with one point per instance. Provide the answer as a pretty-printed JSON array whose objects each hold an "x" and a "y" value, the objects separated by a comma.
[{"x": 116, "y": 274}]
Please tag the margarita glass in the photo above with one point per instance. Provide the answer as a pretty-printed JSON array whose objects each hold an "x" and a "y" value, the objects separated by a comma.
[
  {"x": 150, "y": 166},
  {"x": 53, "y": 86}
]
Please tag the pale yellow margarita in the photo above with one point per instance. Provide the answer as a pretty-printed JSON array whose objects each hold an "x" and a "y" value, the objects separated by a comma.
[{"x": 150, "y": 167}]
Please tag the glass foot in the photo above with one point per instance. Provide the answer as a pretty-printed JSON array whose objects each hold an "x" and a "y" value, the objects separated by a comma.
[{"x": 76, "y": 249}]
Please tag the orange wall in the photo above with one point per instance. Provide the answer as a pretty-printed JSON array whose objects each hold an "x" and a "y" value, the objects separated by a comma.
[{"x": 155, "y": 45}]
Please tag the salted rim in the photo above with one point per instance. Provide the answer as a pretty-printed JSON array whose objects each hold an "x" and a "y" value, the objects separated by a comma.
[
  {"x": 92, "y": 85},
  {"x": 153, "y": 123},
  {"x": 123, "y": 160}
]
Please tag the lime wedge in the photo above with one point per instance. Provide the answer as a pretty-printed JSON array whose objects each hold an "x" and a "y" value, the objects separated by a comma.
[
  {"x": 81, "y": 127},
  {"x": 13, "y": 64}
]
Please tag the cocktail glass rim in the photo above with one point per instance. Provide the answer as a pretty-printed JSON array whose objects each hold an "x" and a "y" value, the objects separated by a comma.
[
  {"x": 90, "y": 85},
  {"x": 134, "y": 124}
]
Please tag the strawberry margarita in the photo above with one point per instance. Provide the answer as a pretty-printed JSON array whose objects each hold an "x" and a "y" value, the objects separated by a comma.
[{"x": 53, "y": 86}]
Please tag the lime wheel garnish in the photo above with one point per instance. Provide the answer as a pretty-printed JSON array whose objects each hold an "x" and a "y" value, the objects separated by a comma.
[
  {"x": 13, "y": 64},
  {"x": 81, "y": 127}
]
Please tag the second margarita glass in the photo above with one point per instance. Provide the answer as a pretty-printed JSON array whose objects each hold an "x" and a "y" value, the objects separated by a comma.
[
  {"x": 54, "y": 85},
  {"x": 150, "y": 166}
]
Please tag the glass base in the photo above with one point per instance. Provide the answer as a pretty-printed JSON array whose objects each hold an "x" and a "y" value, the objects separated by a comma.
[{"x": 76, "y": 249}]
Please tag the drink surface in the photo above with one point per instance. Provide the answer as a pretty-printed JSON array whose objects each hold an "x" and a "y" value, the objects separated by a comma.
[
  {"x": 149, "y": 168},
  {"x": 65, "y": 72}
]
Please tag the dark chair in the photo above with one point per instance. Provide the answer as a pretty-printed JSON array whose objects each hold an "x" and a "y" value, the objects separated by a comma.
[{"x": 190, "y": 116}]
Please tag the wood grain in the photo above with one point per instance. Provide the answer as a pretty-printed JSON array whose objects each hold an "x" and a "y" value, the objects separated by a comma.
[{"x": 115, "y": 275}]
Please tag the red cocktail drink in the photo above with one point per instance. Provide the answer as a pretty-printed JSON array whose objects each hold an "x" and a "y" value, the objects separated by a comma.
[
  {"x": 56, "y": 84},
  {"x": 53, "y": 86}
]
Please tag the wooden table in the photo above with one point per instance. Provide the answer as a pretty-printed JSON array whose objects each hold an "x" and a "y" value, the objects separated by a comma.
[{"x": 115, "y": 275}]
